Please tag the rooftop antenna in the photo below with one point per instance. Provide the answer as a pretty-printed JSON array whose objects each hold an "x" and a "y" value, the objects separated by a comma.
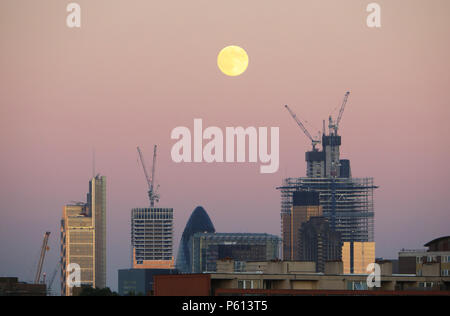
[{"x": 93, "y": 163}]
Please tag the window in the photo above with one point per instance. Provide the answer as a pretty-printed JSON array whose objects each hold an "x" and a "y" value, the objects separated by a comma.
[
  {"x": 445, "y": 272},
  {"x": 246, "y": 284},
  {"x": 358, "y": 285},
  {"x": 426, "y": 284},
  {"x": 418, "y": 259},
  {"x": 445, "y": 259}
]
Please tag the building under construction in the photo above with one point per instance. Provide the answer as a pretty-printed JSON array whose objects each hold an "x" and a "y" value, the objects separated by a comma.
[
  {"x": 346, "y": 202},
  {"x": 151, "y": 228}
]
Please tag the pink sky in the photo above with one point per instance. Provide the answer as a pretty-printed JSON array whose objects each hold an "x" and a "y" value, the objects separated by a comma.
[{"x": 137, "y": 69}]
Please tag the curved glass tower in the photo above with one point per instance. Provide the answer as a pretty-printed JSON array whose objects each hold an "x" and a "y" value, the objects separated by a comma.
[{"x": 199, "y": 222}]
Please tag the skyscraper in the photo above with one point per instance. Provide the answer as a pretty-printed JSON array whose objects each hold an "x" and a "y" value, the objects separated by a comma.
[
  {"x": 83, "y": 237},
  {"x": 198, "y": 222},
  {"x": 97, "y": 205},
  {"x": 305, "y": 205},
  {"x": 319, "y": 243},
  {"x": 152, "y": 238},
  {"x": 347, "y": 202}
]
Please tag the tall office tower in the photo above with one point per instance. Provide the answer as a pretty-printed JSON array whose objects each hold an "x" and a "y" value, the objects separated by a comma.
[
  {"x": 319, "y": 243},
  {"x": 356, "y": 256},
  {"x": 198, "y": 222},
  {"x": 77, "y": 245},
  {"x": 305, "y": 205},
  {"x": 151, "y": 238},
  {"x": 83, "y": 238},
  {"x": 97, "y": 205}
]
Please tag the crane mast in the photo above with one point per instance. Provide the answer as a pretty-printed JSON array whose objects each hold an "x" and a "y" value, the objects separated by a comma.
[
  {"x": 52, "y": 278},
  {"x": 152, "y": 194},
  {"x": 153, "y": 171},
  {"x": 314, "y": 142},
  {"x": 44, "y": 249},
  {"x": 335, "y": 126}
]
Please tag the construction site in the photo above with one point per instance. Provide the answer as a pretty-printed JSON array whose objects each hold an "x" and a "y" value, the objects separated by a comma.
[
  {"x": 346, "y": 202},
  {"x": 151, "y": 227}
]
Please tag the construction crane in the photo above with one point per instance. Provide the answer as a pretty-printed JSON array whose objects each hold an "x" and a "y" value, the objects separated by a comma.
[
  {"x": 335, "y": 126},
  {"x": 44, "y": 249},
  {"x": 52, "y": 278},
  {"x": 152, "y": 194},
  {"x": 314, "y": 142}
]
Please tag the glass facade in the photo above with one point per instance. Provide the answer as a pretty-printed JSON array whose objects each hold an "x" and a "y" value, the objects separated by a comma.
[
  {"x": 319, "y": 243},
  {"x": 305, "y": 205},
  {"x": 199, "y": 221},
  {"x": 97, "y": 202},
  {"x": 83, "y": 238},
  {"x": 356, "y": 256},
  {"x": 346, "y": 202},
  {"x": 207, "y": 248},
  {"x": 77, "y": 245}
]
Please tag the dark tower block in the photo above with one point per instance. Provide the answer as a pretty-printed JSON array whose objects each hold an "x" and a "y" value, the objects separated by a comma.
[
  {"x": 305, "y": 205},
  {"x": 319, "y": 243}
]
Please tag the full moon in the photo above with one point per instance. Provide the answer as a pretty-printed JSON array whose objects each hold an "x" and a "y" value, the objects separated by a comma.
[{"x": 232, "y": 60}]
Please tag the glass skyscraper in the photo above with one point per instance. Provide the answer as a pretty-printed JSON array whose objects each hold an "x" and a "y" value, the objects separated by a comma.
[
  {"x": 83, "y": 238},
  {"x": 199, "y": 221},
  {"x": 305, "y": 205}
]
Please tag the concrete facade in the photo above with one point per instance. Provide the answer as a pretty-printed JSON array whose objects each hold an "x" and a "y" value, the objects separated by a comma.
[
  {"x": 10, "y": 286},
  {"x": 152, "y": 238},
  {"x": 299, "y": 278}
]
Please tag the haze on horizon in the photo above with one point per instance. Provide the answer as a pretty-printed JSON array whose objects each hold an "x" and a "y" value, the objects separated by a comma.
[{"x": 136, "y": 70}]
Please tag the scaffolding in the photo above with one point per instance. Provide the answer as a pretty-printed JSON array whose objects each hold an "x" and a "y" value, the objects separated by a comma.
[{"x": 346, "y": 202}]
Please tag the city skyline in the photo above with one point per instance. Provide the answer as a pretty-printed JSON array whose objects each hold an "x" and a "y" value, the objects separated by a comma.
[{"x": 64, "y": 93}]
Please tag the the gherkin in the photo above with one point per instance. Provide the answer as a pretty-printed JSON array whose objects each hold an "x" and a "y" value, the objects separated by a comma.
[{"x": 199, "y": 222}]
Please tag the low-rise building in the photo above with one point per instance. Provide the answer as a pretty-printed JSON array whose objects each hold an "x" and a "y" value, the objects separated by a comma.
[
  {"x": 139, "y": 281},
  {"x": 208, "y": 248},
  {"x": 434, "y": 261},
  {"x": 298, "y": 278},
  {"x": 10, "y": 286}
]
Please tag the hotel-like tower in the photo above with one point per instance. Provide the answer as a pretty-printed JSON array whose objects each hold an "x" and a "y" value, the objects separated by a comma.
[
  {"x": 83, "y": 238},
  {"x": 152, "y": 238}
]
